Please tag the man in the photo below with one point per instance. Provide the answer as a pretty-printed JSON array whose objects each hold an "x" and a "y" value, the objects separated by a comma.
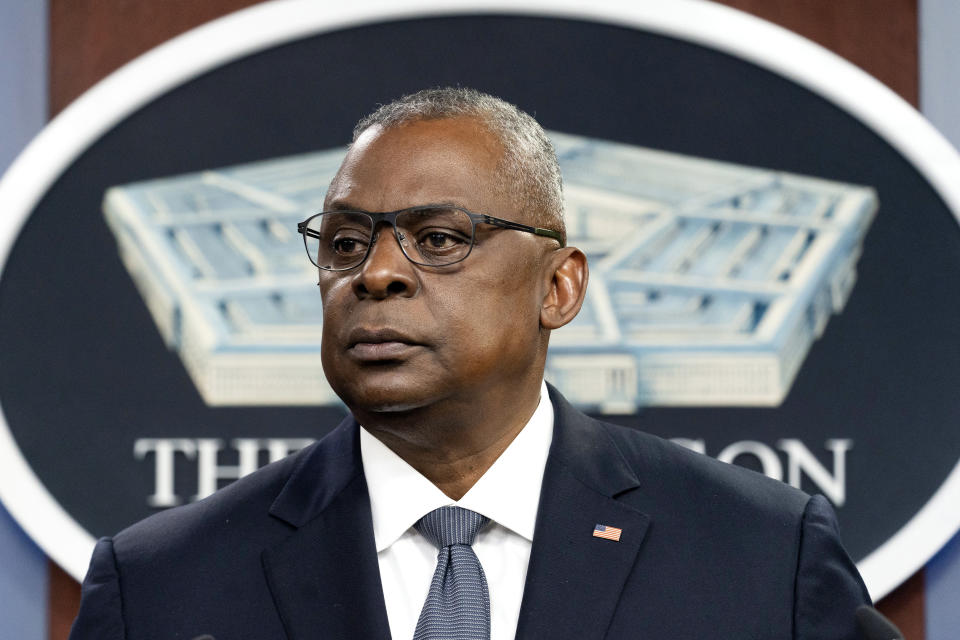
[{"x": 443, "y": 268}]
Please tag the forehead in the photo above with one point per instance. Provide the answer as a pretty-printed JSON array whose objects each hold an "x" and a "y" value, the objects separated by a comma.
[{"x": 450, "y": 161}]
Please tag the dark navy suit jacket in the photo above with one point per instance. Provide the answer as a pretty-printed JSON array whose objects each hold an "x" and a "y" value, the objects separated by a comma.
[{"x": 708, "y": 550}]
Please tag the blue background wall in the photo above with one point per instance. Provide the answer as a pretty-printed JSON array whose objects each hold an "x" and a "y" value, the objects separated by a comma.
[
  {"x": 23, "y": 109},
  {"x": 940, "y": 103}
]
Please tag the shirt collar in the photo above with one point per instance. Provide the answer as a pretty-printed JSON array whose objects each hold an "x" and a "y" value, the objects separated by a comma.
[{"x": 508, "y": 493}]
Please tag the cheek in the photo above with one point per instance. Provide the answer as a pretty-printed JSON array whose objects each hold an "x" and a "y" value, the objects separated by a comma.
[
  {"x": 514, "y": 293},
  {"x": 333, "y": 307},
  {"x": 490, "y": 318},
  {"x": 332, "y": 291}
]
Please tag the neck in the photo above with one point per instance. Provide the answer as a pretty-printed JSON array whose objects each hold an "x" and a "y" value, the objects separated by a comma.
[{"x": 452, "y": 444}]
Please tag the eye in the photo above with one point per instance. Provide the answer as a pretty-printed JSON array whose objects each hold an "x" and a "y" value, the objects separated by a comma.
[
  {"x": 349, "y": 244},
  {"x": 442, "y": 235},
  {"x": 345, "y": 245},
  {"x": 438, "y": 239}
]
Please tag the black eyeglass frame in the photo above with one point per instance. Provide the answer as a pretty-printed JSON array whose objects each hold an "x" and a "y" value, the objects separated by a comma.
[{"x": 390, "y": 217}]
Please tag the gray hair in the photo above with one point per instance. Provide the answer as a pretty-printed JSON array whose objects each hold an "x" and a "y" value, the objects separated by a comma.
[{"x": 529, "y": 167}]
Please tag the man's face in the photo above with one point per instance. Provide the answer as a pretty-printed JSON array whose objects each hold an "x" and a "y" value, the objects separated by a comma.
[{"x": 397, "y": 336}]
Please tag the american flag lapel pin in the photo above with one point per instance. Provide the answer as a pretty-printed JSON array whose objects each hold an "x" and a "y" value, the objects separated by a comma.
[{"x": 607, "y": 532}]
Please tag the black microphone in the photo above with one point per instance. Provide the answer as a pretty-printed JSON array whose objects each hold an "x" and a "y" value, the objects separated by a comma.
[{"x": 874, "y": 626}]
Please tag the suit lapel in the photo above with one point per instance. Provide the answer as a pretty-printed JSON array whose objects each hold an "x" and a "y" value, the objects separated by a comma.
[
  {"x": 574, "y": 580},
  {"x": 324, "y": 578}
]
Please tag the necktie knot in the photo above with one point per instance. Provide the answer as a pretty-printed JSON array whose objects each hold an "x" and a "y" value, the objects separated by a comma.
[{"x": 451, "y": 525}]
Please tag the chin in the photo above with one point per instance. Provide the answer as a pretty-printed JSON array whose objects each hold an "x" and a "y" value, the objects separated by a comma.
[
  {"x": 390, "y": 399},
  {"x": 396, "y": 408}
]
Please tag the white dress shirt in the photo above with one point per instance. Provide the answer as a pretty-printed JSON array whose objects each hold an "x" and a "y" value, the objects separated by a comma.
[{"x": 508, "y": 493}]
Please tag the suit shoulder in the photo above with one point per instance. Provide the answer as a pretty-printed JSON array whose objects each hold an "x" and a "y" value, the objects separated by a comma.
[
  {"x": 662, "y": 464},
  {"x": 239, "y": 509}
]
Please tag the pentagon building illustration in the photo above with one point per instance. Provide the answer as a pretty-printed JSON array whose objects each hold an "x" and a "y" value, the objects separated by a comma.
[{"x": 709, "y": 282}]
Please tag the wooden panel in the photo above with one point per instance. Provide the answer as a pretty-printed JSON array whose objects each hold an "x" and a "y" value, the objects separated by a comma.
[
  {"x": 91, "y": 38},
  {"x": 879, "y": 36},
  {"x": 64, "y": 599},
  {"x": 905, "y": 607}
]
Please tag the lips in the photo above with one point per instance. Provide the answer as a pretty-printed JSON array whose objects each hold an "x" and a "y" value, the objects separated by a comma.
[{"x": 371, "y": 345}]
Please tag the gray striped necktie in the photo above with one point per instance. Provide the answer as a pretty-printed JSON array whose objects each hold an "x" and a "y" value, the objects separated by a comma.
[{"x": 458, "y": 604}]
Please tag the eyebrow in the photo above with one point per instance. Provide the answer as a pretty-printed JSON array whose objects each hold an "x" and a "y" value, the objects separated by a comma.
[{"x": 340, "y": 205}]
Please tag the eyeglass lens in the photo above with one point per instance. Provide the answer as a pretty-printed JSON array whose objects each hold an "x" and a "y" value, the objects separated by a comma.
[{"x": 432, "y": 236}]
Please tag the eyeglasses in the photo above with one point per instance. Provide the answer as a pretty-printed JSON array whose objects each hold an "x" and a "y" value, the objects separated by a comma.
[{"x": 431, "y": 236}]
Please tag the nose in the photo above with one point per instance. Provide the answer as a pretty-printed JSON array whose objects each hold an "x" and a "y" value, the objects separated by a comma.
[{"x": 386, "y": 271}]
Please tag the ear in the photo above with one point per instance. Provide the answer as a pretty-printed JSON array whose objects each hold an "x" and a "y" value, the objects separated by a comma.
[{"x": 568, "y": 273}]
